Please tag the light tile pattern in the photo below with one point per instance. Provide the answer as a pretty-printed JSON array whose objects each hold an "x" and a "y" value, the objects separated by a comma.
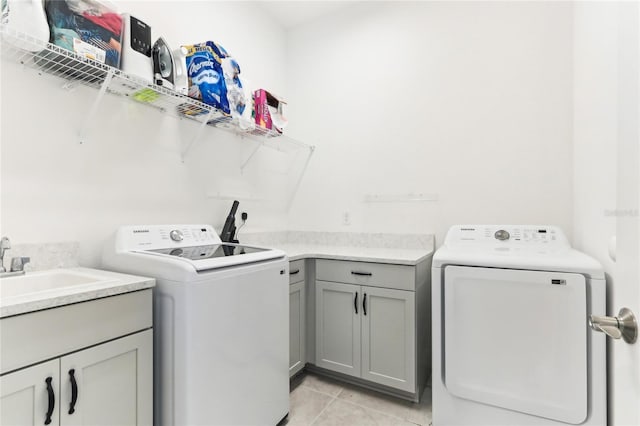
[{"x": 320, "y": 401}]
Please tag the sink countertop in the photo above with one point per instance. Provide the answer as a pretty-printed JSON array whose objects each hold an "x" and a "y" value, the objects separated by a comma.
[
  {"x": 114, "y": 283},
  {"x": 396, "y": 256}
]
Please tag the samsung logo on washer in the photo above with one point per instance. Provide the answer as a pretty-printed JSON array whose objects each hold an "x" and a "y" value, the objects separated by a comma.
[{"x": 140, "y": 231}]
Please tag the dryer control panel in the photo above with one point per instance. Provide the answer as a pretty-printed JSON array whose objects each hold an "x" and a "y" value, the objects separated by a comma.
[{"x": 506, "y": 235}]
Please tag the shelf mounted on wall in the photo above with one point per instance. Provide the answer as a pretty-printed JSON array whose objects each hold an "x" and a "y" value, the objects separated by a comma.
[{"x": 78, "y": 70}]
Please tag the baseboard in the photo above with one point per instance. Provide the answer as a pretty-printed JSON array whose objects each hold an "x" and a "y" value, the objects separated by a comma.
[{"x": 413, "y": 397}]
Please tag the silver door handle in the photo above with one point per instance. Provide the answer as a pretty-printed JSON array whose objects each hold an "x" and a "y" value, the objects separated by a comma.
[{"x": 623, "y": 326}]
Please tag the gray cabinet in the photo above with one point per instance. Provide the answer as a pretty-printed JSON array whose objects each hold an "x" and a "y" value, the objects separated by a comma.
[
  {"x": 113, "y": 382},
  {"x": 297, "y": 317},
  {"x": 388, "y": 337},
  {"x": 24, "y": 397},
  {"x": 105, "y": 379},
  {"x": 338, "y": 327},
  {"x": 366, "y": 322}
]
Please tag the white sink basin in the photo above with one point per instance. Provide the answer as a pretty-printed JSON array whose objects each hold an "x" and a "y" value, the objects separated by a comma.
[{"x": 46, "y": 281}]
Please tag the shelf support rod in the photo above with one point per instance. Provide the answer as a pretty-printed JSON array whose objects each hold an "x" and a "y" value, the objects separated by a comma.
[
  {"x": 197, "y": 135},
  {"x": 250, "y": 157},
  {"x": 94, "y": 108},
  {"x": 299, "y": 181}
]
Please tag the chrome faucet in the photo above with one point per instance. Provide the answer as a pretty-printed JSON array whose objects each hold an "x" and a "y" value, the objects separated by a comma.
[
  {"x": 17, "y": 263},
  {"x": 5, "y": 244}
]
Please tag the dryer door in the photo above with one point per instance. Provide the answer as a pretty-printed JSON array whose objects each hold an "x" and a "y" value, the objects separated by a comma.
[{"x": 517, "y": 340}]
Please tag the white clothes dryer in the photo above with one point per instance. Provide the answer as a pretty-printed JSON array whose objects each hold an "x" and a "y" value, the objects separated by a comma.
[
  {"x": 511, "y": 341},
  {"x": 221, "y": 323}
]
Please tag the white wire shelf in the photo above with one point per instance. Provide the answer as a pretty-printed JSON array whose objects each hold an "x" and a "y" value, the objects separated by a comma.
[{"x": 77, "y": 70}]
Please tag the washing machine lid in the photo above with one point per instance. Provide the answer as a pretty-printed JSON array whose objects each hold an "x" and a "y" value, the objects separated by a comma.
[
  {"x": 195, "y": 245},
  {"x": 525, "y": 247},
  {"x": 204, "y": 258}
]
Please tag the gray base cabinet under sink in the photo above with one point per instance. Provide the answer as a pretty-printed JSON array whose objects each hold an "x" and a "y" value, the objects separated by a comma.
[{"x": 99, "y": 368}]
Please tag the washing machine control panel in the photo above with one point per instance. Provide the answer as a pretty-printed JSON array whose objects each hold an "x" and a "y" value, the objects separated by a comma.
[
  {"x": 150, "y": 237},
  {"x": 506, "y": 235},
  {"x": 176, "y": 235},
  {"x": 502, "y": 235}
]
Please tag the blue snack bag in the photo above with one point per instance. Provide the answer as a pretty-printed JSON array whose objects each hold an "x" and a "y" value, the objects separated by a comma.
[{"x": 206, "y": 78}]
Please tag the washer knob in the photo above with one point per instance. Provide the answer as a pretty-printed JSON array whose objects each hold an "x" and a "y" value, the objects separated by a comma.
[
  {"x": 501, "y": 235},
  {"x": 176, "y": 235}
]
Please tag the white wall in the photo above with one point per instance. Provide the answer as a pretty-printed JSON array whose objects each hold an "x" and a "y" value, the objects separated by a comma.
[
  {"x": 471, "y": 101},
  {"x": 130, "y": 171},
  {"x": 468, "y": 101}
]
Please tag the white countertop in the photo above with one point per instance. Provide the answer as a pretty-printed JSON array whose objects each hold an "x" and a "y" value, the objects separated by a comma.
[
  {"x": 110, "y": 284},
  {"x": 397, "y": 256}
]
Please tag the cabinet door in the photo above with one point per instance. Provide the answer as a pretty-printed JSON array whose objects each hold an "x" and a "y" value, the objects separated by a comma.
[
  {"x": 114, "y": 383},
  {"x": 24, "y": 397},
  {"x": 297, "y": 326},
  {"x": 338, "y": 327},
  {"x": 388, "y": 337}
]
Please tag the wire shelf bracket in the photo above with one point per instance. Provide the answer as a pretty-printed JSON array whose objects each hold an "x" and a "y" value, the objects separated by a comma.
[
  {"x": 196, "y": 137},
  {"x": 253, "y": 152},
  {"x": 312, "y": 149},
  {"x": 82, "y": 133}
]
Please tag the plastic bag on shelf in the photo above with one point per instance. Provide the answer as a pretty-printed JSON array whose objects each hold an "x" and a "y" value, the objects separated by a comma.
[
  {"x": 235, "y": 89},
  {"x": 90, "y": 28},
  {"x": 206, "y": 77}
]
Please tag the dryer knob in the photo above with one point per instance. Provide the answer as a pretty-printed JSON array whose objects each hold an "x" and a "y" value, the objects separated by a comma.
[
  {"x": 501, "y": 235},
  {"x": 176, "y": 235}
]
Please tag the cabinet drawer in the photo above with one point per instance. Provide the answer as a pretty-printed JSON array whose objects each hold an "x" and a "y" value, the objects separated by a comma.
[
  {"x": 54, "y": 332},
  {"x": 296, "y": 271},
  {"x": 401, "y": 277}
]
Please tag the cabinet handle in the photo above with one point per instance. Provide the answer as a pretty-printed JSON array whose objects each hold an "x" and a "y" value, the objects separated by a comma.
[
  {"x": 355, "y": 303},
  {"x": 366, "y": 274},
  {"x": 52, "y": 401},
  {"x": 364, "y": 304},
  {"x": 294, "y": 272},
  {"x": 74, "y": 391}
]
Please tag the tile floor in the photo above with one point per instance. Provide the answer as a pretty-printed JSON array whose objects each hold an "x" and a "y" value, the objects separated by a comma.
[{"x": 320, "y": 401}]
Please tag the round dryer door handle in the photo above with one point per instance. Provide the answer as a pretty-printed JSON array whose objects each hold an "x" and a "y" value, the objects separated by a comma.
[{"x": 623, "y": 326}]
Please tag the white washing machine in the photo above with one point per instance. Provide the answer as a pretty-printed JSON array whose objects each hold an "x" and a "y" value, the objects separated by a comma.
[
  {"x": 511, "y": 341},
  {"x": 221, "y": 324}
]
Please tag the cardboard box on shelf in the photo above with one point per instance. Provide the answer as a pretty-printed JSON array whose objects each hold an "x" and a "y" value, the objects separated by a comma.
[{"x": 269, "y": 110}]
